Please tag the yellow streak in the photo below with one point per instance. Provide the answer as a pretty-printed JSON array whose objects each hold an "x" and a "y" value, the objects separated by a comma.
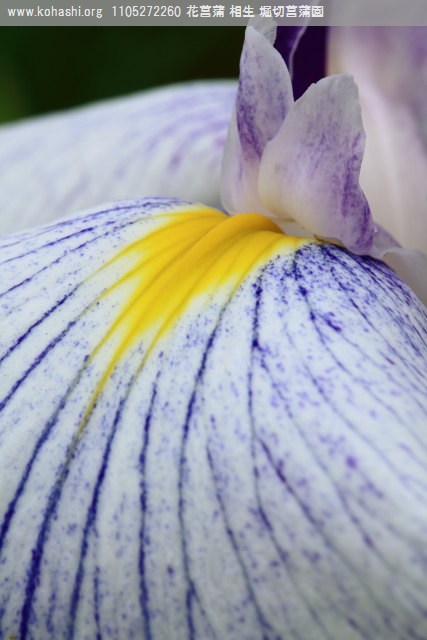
[
  {"x": 157, "y": 251},
  {"x": 196, "y": 253}
]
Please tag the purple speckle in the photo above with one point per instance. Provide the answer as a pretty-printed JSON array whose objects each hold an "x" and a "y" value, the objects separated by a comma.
[{"x": 351, "y": 462}]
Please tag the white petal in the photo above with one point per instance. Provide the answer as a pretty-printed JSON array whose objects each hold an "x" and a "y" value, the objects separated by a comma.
[
  {"x": 261, "y": 472},
  {"x": 166, "y": 142}
]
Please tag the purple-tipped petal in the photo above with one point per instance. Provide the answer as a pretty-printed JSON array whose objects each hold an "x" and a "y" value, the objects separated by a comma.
[
  {"x": 310, "y": 171},
  {"x": 264, "y": 93},
  {"x": 264, "y": 96},
  {"x": 390, "y": 68},
  {"x": 163, "y": 142}
]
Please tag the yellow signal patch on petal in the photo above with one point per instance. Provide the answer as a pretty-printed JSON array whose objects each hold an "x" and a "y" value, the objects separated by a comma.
[
  {"x": 178, "y": 391},
  {"x": 196, "y": 254}
]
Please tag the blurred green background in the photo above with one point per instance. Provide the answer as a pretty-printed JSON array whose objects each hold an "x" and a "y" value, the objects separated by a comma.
[{"x": 43, "y": 69}]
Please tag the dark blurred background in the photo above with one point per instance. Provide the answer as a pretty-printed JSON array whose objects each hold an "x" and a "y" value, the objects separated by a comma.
[{"x": 43, "y": 69}]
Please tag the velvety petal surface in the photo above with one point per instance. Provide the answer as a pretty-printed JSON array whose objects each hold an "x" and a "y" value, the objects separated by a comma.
[
  {"x": 264, "y": 96},
  {"x": 166, "y": 142},
  {"x": 390, "y": 68},
  {"x": 208, "y": 430},
  {"x": 310, "y": 171}
]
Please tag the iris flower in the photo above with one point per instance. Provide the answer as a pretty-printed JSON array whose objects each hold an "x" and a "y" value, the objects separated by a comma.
[{"x": 209, "y": 428}]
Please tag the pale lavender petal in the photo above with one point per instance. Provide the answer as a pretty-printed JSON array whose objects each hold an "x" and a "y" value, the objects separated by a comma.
[
  {"x": 264, "y": 96},
  {"x": 163, "y": 142},
  {"x": 262, "y": 475},
  {"x": 264, "y": 92},
  {"x": 411, "y": 266},
  {"x": 390, "y": 68},
  {"x": 310, "y": 171}
]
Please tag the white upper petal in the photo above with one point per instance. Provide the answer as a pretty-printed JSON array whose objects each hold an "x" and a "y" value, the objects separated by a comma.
[{"x": 163, "y": 142}]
